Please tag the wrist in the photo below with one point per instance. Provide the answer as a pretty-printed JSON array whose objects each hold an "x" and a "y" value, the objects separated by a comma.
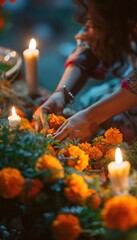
[{"x": 68, "y": 96}]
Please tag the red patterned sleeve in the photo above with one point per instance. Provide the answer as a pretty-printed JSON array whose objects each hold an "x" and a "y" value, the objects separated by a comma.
[{"x": 130, "y": 83}]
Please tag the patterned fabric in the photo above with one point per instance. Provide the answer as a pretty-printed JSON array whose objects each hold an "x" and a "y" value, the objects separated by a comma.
[
  {"x": 130, "y": 83},
  {"x": 84, "y": 57}
]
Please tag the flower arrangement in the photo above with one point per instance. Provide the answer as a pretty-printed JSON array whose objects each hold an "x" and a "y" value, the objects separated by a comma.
[{"x": 60, "y": 190}]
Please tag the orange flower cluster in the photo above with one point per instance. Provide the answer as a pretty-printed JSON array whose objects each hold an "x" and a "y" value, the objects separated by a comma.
[
  {"x": 35, "y": 186},
  {"x": 66, "y": 226},
  {"x": 110, "y": 154},
  {"x": 113, "y": 136},
  {"x": 55, "y": 122},
  {"x": 25, "y": 125},
  {"x": 120, "y": 212},
  {"x": 93, "y": 152},
  {"x": 78, "y": 158},
  {"x": 11, "y": 182},
  {"x": 56, "y": 170},
  {"x": 76, "y": 189}
]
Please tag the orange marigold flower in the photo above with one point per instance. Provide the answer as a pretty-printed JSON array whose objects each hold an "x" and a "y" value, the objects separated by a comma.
[
  {"x": 26, "y": 125},
  {"x": 120, "y": 212},
  {"x": 100, "y": 143},
  {"x": 95, "y": 153},
  {"x": 56, "y": 170},
  {"x": 86, "y": 147},
  {"x": 51, "y": 131},
  {"x": 81, "y": 159},
  {"x": 35, "y": 186},
  {"x": 76, "y": 189},
  {"x": 11, "y": 182},
  {"x": 0, "y": 111},
  {"x": 66, "y": 226},
  {"x": 20, "y": 113},
  {"x": 55, "y": 121},
  {"x": 110, "y": 154},
  {"x": 95, "y": 201},
  {"x": 113, "y": 136},
  {"x": 51, "y": 150}
]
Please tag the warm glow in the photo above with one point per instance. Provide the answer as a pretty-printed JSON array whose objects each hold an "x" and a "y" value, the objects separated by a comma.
[
  {"x": 118, "y": 156},
  {"x": 32, "y": 44},
  {"x": 14, "y": 112}
]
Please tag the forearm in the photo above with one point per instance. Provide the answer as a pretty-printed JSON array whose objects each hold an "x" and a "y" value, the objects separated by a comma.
[
  {"x": 73, "y": 78},
  {"x": 118, "y": 102}
]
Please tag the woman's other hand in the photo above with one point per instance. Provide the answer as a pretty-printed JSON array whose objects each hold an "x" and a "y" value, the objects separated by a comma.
[{"x": 77, "y": 126}]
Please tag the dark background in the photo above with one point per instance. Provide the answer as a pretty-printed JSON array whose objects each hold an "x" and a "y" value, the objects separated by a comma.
[{"x": 51, "y": 23}]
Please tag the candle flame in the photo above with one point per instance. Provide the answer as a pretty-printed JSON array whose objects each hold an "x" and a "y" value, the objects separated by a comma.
[
  {"x": 118, "y": 156},
  {"x": 14, "y": 112},
  {"x": 32, "y": 44}
]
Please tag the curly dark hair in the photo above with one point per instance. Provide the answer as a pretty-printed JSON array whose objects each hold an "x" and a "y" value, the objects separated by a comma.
[{"x": 116, "y": 23}]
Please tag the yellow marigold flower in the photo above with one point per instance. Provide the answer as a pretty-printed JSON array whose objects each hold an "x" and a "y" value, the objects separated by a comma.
[
  {"x": 95, "y": 153},
  {"x": 81, "y": 159},
  {"x": 66, "y": 226},
  {"x": 53, "y": 165},
  {"x": 110, "y": 154},
  {"x": 76, "y": 189},
  {"x": 86, "y": 147},
  {"x": 120, "y": 212},
  {"x": 11, "y": 182},
  {"x": 55, "y": 121},
  {"x": 113, "y": 136}
]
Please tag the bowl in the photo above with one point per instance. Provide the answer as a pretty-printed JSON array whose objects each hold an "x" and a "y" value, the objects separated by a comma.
[{"x": 10, "y": 63}]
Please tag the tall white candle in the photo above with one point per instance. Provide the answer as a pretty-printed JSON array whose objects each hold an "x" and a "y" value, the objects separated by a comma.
[
  {"x": 118, "y": 174},
  {"x": 14, "y": 119},
  {"x": 31, "y": 56}
]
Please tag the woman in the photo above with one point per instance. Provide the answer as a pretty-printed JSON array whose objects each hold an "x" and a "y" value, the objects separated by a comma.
[{"x": 109, "y": 36}]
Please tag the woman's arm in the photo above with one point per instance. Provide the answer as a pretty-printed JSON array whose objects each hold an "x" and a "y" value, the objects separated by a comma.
[{"x": 84, "y": 123}]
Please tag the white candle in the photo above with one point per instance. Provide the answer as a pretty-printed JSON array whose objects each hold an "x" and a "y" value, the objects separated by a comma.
[
  {"x": 118, "y": 174},
  {"x": 31, "y": 56},
  {"x": 14, "y": 119}
]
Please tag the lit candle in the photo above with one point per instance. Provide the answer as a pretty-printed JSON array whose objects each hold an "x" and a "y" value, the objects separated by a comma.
[
  {"x": 118, "y": 174},
  {"x": 31, "y": 56},
  {"x": 14, "y": 119}
]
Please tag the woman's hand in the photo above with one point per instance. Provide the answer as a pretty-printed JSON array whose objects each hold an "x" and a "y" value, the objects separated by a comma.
[
  {"x": 79, "y": 125},
  {"x": 55, "y": 104}
]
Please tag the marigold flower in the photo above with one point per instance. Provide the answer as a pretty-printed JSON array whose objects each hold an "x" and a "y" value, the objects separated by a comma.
[
  {"x": 86, "y": 147},
  {"x": 81, "y": 159},
  {"x": 95, "y": 201},
  {"x": 76, "y": 189},
  {"x": 66, "y": 226},
  {"x": 51, "y": 131},
  {"x": 113, "y": 136},
  {"x": 110, "y": 154},
  {"x": 100, "y": 143},
  {"x": 53, "y": 165},
  {"x": 35, "y": 186},
  {"x": 120, "y": 212},
  {"x": 55, "y": 121},
  {"x": 95, "y": 153},
  {"x": 11, "y": 182},
  {"x": 26, "y": 125},
  {"x": 51, "y": 150}
]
